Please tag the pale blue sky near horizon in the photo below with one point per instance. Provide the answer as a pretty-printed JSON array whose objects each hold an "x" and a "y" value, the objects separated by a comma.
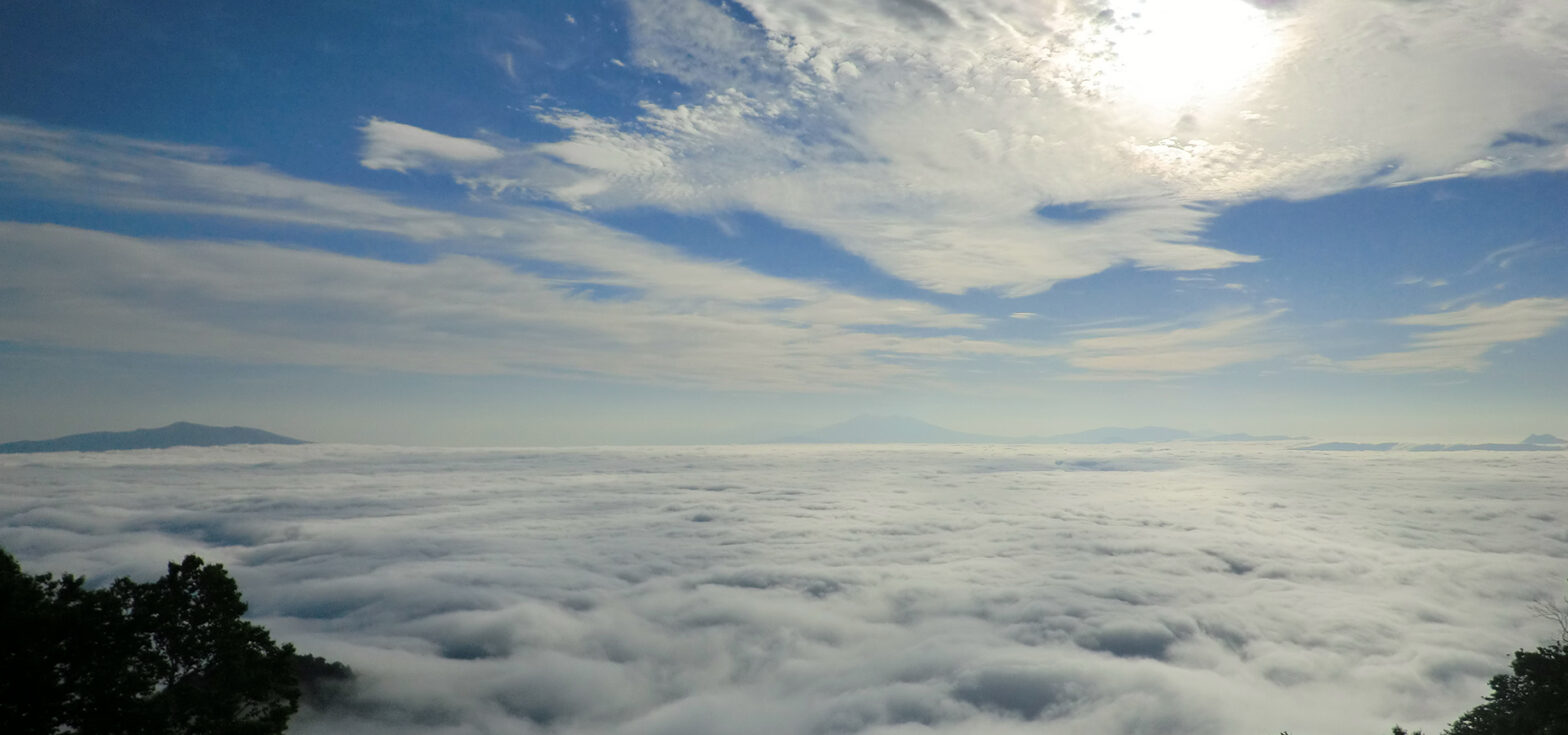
[{"x": 489, "y": 223}]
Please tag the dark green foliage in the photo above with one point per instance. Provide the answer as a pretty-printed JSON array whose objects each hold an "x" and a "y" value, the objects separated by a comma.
[
  {"x": 322, "y": 683},
  {"x": 1533, "y": 700},
  {"x": 169, "y": 656}
]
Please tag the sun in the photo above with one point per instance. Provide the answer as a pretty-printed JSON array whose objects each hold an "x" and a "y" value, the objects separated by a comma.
[{"x": 1171, "y": 56}]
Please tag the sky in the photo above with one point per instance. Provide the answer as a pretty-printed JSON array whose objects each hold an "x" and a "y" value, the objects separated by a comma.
[
  {"x": 658, "y": 221},
  {"x": 1180, "y": 589}
]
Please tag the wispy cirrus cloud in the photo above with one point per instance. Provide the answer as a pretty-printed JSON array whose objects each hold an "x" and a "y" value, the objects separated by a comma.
[
  {"x": 608, "y": 296},
  {"x": 1166, "y": 350},
  {"x": 586, "y": 298},
  {"x": 924, "y": 138},
  {"x": 1503, "y": 258},
  {"x": 1459, "y": 340},
  {"x": 1421, "y": 281},
  {"x": 255, "y": 302},
  {"x": 462, "y": 314},
  {"x": 120, "y": 173}
]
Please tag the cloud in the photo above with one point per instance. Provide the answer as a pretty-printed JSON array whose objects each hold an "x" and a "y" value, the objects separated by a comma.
[
  {"x": 584, "y": 297},
  {"x": 609, "y": 293},
  {"x": 125, "y": 173},
  {"x": 1421, "y": 281},
  {"x": 120, "y": 173},
  {"x": 462, "y": 314},
  {"x": 924, "y": 138},
  {"x": 948, "y": 225},
  {"x": 1460, "y": 339},
  {"x": 966, "y": 589},
  {"x": 1504, "y": 258},
  {"x": 1163, "y": 351},
  {"x": 398, "y": 147}
]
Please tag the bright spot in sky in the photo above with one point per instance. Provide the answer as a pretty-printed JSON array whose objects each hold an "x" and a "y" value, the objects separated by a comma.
[{"x": 1172, "y": 55}]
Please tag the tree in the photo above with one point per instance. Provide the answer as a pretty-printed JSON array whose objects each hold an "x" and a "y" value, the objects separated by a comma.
[
  {"x": 1533, "y": 700},
  {"x": 1556, "y": 612},
  {"x": 170, "y": 656}
]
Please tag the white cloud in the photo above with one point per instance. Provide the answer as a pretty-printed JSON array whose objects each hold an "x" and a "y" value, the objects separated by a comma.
[
  {"x": 1163, "y": 351},
  {"x": 398, "y": 147},
  {"x": 1460, "y": 339},
  {"x": 923, "y": 137},
  {"x": 1182, "y": 589},
  {"x": 1421, "y": 281},
  {"x": 685, "y": 319},
  {"x": 947, "y": 225},
  {"x": 121, "y": 173},
  {"x": 1503, "y": 258},
  {"x": 124, "y": 173},
  {"x": 460, "y": 314}
]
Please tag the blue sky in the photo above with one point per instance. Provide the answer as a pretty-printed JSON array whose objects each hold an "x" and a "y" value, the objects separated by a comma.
[{"x": 664, "y": 220}]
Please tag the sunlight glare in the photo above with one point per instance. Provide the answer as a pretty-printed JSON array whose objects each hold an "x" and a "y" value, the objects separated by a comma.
[{"x": 1173, "y": 55}]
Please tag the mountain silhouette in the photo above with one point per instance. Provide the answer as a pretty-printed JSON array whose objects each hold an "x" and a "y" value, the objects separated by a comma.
[
  {"x": 1391, "y": 446},
  {"x": 907, "y": 430},
  {"x": 1543, "y": 439},
  {"x": 179, "y": 434}
]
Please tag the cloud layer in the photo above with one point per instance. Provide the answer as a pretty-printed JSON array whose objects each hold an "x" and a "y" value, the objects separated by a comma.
[
  {"x": 254, "y": 302},
  {"x": 1460, "y": 339},
  {"x": 505, "y": 290},
  {"x": 926, "y": 138},
  {"x": 497, "y": 290},
  {"x": 1224, "y": 588}
]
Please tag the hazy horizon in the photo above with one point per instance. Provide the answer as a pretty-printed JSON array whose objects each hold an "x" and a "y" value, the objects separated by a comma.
[{"x": 871, "y": 429}]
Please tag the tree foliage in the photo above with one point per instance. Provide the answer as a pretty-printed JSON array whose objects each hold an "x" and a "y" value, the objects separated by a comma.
[
  {"x": 1533, "y": 700},
  {"x": 170, "y": 656}
]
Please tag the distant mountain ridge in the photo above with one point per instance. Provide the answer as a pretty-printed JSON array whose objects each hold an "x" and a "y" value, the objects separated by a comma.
[
  {"x": 178, "y": 434},
  {"x": 1535, "y": 443},
  {"x": 908, "y": 430}
]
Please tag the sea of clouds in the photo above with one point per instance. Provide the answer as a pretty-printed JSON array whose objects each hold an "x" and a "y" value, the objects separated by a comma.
[{"x": 1177, "y": 588}]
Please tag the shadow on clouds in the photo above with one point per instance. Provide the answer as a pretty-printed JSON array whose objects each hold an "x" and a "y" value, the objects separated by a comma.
[{"x": 1178, "y": 588}]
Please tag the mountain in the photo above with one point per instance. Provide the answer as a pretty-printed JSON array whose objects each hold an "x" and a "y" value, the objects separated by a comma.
[
  {"x": 1486, "y": 448},
  {"x": 906, "y": 430},
  {"x": 1543, "y": 439},
  {"x": 1118, "y": 435},
  {"x": 1388, "y": 446},
  {"x": 1349, "y": 447},
  {"x": 888, "y": 430},
  {"x": 179, "y": 434}
]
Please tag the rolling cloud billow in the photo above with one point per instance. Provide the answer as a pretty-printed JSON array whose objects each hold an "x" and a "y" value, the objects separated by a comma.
[{"x": 1155, "y": 588}]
